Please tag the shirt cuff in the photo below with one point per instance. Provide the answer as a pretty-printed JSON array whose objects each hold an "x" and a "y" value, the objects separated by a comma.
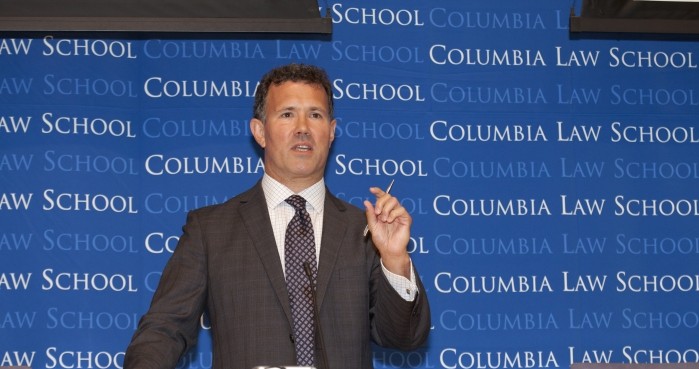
[{"x": 406, "y": 288}]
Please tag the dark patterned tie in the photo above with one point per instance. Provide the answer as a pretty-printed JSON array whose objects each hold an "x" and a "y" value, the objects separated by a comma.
[{"x": 299, "y": 248}]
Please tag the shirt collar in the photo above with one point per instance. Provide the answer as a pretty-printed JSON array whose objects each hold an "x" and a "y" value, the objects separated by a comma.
[{"x": 276, "y": 193}]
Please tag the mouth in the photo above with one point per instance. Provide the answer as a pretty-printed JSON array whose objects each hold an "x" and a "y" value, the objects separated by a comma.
[{"x": 302, "y": 148}]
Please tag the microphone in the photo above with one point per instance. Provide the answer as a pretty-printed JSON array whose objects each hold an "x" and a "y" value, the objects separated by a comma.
[{"x": 316, "y": 315}]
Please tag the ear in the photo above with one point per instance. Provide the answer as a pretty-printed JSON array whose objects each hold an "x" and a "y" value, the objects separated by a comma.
[
  {"x": 258, "y": 131},
  {"x": 333, "y": 124}
]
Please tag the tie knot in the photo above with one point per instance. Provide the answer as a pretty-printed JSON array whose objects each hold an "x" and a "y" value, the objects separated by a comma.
[{"x": 298, "y": 202}]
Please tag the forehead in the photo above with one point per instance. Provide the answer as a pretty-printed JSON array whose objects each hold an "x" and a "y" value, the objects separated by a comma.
[{"x": 297, "y": 94}]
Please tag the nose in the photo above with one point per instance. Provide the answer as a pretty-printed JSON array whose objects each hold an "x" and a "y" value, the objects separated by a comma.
[{"x": 302, "y": 126}]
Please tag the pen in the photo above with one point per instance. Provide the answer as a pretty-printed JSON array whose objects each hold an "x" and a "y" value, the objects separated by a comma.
[{"x": 388, "y": 190}]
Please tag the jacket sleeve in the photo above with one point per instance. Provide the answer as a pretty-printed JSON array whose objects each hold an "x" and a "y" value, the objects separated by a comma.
[
  {"x": 171, "y": 325},
  {"x": 395, "y": 322}
]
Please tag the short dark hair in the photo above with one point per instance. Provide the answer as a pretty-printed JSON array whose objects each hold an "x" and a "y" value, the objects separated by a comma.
[{"x": 305, "y": 73}]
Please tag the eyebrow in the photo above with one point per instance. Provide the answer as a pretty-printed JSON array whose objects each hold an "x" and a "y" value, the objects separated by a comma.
[{"x": 295, "y": 108}]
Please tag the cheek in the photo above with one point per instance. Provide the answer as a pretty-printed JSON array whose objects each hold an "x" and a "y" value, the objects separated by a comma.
[
  {"x": 325, "y": 135},
  {"x": 274, "y": 139}
]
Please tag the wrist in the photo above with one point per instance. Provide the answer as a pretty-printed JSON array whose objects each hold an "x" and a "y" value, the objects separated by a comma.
[{"x": 398, "y": 264}]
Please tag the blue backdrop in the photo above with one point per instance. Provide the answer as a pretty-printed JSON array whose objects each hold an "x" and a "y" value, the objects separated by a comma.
[{"x": 552, "y": 180}]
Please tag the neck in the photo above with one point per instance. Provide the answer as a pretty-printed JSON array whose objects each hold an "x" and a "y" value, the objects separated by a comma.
[{"x": 295, "y": 184}]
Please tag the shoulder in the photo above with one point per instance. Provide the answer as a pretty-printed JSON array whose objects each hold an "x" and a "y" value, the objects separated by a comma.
[
  {"x": 342, "y": 207},
  {"x": 229, "y": 208}
]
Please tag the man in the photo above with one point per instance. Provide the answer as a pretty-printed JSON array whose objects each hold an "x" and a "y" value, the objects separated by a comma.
[{"x": 235, "y": 259}]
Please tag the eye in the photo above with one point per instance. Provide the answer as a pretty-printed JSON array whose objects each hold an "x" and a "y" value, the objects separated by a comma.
[
  {"x": 286, "y": 114},
  {"x": 316, "y": 115}
]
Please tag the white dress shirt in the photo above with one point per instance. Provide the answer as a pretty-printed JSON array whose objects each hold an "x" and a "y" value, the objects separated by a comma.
[{"x": 281, "y": 212}]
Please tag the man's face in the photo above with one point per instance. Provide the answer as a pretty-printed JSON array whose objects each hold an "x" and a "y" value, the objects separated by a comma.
[{"x": 296, "y": 135}]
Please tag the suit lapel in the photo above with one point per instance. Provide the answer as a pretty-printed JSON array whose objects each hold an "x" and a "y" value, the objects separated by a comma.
[
  {"x": 253, "y": 211},
  {"x": 334, "y": 229}
]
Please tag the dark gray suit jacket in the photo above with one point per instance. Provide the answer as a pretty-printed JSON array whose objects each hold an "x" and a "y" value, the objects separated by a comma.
[{"x": 227, "y": 263}]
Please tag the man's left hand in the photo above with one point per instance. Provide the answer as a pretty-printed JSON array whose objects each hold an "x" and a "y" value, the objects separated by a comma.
[{"x": 389, "y": 223}]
